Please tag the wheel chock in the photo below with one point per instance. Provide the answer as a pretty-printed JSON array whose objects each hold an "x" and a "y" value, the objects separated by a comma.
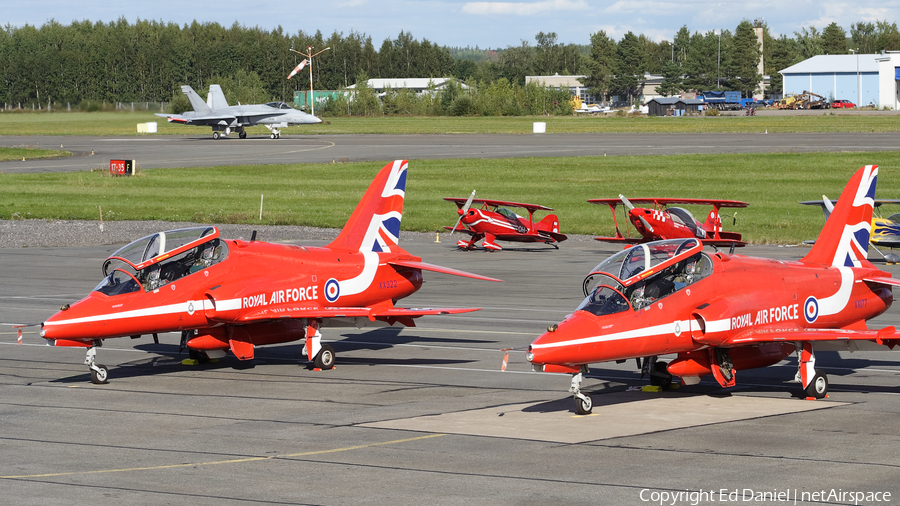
[
  {"x": 317, "y": 369},
  {"x": 651, "y": 388},
  {"x": 674, "y": 385},
  {"x": 190, "y": 361}
]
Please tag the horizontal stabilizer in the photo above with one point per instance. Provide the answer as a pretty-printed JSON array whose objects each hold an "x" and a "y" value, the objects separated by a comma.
[
  {"x": 437, "y": 268},
  {"x": 883, "y": 281}
]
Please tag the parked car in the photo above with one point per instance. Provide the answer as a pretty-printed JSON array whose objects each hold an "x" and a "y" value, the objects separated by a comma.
[{"x": 845, "y": 104}]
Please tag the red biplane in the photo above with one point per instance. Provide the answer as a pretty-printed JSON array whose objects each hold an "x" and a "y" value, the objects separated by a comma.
[
  {"x": 225, "y": 294},
  {"x": 495, "y": 222},
  {"x": 723, "y": 313},
  {"x": 664, "y": 222}
]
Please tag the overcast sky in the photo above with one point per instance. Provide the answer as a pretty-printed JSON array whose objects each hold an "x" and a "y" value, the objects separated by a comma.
[{"x": 485, "y": 24}]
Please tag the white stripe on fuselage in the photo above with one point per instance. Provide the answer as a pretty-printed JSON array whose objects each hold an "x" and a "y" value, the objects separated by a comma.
[
  {"x": 180, "y": 307},
  {"x": 656, "y": 330}
]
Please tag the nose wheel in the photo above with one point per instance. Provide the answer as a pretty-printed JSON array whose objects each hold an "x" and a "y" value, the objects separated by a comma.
[
  {"x": 99, "y": 372},
  {"x": 583, "y": 403}
]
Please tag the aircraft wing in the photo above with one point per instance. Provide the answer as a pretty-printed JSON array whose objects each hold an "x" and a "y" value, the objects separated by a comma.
[
  {"x": 224, "y": 119},
  {"x": 412, "y": 264},
  {"x": 460, "y": 202},
  {"x": 673, "y": 201},
  {"x": 794, "y": 333},
  {"x": 372, "y": 313},
  {"x": 621, "y": 240}
]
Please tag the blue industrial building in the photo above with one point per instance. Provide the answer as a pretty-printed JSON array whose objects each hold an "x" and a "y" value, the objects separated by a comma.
[{"x": 863, "y": 79}]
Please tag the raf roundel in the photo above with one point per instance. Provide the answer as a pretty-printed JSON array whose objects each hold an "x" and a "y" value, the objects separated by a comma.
[
  {"x": 332, "y": 290},
  {"x": 811, "y": 309}
]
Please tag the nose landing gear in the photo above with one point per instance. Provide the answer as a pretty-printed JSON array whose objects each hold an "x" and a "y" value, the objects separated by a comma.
[{"x": 99, "y": 372}]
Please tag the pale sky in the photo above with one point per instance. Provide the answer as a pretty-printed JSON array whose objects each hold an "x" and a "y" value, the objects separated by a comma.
[{"x": 485, "y": 24}]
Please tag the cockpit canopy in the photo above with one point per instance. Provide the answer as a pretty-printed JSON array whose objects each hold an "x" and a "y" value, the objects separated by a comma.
[
  {"x": 159, "y": 246},
  {"x": 279, "y": 105},
  {"x": 161, "y": 258},
  {"x": 640, "y": 261},
  {"x": 639, "y": 276}
]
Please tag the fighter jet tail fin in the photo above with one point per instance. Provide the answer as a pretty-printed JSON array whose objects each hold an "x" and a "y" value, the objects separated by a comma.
[
  {"x": 216, "y": 98},
  {"x": 844, "y": 241},
  {"x": 374, "y": 225},
  {"x": 197, "y": 103}
]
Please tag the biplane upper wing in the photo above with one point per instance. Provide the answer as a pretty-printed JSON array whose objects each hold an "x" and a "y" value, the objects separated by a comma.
[
  {"x": 673, "y": 201},
  {"x": 460, "y": 202}
]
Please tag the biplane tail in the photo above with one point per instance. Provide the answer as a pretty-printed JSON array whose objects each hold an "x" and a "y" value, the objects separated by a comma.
[
  {"x": 844, "y": 240},
  {"x": 374, "y": 225},
  {"x": 550, "y": 223}
]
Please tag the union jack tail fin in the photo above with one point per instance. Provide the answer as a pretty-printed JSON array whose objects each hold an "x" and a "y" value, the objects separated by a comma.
[
  {"x": 374, "y": 225},
  {"x": 844, "y": 240}
]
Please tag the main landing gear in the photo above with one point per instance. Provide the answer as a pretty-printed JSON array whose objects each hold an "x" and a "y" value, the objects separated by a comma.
[
  {"x": 276, "y": 133},
  {"x": 99, "y": 372},
  {"x": 815, "y": 384},
  {"x": 583, "y": 403},
  {"x": 321, "y": 355}
]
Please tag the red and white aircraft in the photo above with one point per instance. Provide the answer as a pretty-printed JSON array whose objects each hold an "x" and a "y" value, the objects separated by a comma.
[
  {"x": 495, "y": 222},
  {"x": 226, "y": 294},
  {"x": 724, "y": 313},
  {"x": 664, "y": 222}
]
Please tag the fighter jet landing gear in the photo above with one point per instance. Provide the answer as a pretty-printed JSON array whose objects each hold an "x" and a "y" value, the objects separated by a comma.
[
  {"x": 241, "y": 133},
  {"x": 583, "y": 403},
  {"x": 815, "y": 384},
  {"x": 99, "y": 372},
  {"x": 276, "y": 133},
  {"x": 224, "y": 133}
]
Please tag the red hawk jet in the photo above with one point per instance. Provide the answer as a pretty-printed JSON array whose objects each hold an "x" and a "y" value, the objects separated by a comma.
[
  {"x": 227, "y": 294},
  {"x": 723, "y": 313}
]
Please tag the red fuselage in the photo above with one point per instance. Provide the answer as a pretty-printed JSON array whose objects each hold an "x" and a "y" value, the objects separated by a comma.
[
  {"x": 739, "y": 298},
  {"x": 256, "y": 278}
]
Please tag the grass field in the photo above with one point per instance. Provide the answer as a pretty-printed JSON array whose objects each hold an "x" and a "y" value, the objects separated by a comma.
[
  {"x": 323, "y": 195},
  {"x": 125, "y": 123},
  {"x": 7, "y": 154}
]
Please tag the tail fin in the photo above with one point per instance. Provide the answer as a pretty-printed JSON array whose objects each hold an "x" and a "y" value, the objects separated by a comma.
[
  {"x": 550, "y": 223},
  {"x": 374, "y": 225},
  {"x": 196, "y": 102},
  {"x": 216, "y": 98},
  {"x": 844, "y": 240}
]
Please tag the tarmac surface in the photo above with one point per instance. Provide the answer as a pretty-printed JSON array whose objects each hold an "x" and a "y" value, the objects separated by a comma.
[
  {"x": 422, "y": 415},
  {"x": 202, "y": 151}
]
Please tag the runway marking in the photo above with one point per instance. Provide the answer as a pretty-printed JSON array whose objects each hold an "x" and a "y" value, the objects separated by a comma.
[{"x": 221, "y": 462}]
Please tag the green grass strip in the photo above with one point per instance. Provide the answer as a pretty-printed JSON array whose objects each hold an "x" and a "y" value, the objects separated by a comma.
[{"x": 324, "y": 195}]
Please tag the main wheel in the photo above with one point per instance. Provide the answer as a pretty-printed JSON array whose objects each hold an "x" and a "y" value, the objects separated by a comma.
[
  {"x": 818, "y": 387},
  {"x": 200, "y": 356},
  {"x": 99, "y": 377},
  {"x": 325, "y": 358},
  {"x": 272, "y": 136},
  {"x": 216, "y": 135},
  {"x": 242, "y": 135},
  {"x": 583, "y": 406},
  {"x": 661, "y": 376}
]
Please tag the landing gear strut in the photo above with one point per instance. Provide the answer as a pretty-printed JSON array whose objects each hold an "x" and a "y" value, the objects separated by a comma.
[
  {"x": 583, "y": 403},
  {"x": 99, "y": 372},
  {"x": 815, "y": 384},
  {"x": 321, "y": 355},
  {"x": 276, "y": 133}
]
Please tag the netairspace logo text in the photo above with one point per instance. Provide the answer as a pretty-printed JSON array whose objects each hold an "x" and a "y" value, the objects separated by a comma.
[{"x": 772, "y": 496}]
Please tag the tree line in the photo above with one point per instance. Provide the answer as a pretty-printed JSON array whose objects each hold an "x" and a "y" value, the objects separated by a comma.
[{"x": 149, "y": 60}]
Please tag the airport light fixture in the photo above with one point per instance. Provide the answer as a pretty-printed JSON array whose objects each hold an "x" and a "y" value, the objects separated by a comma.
[{"x": 858, "y": 84}]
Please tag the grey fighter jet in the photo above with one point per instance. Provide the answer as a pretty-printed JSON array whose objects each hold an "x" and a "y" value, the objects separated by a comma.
[{"x": 224, "y": 118}]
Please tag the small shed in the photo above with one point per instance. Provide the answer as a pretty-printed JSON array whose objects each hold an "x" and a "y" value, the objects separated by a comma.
[{"x": 661, "y": 106}]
